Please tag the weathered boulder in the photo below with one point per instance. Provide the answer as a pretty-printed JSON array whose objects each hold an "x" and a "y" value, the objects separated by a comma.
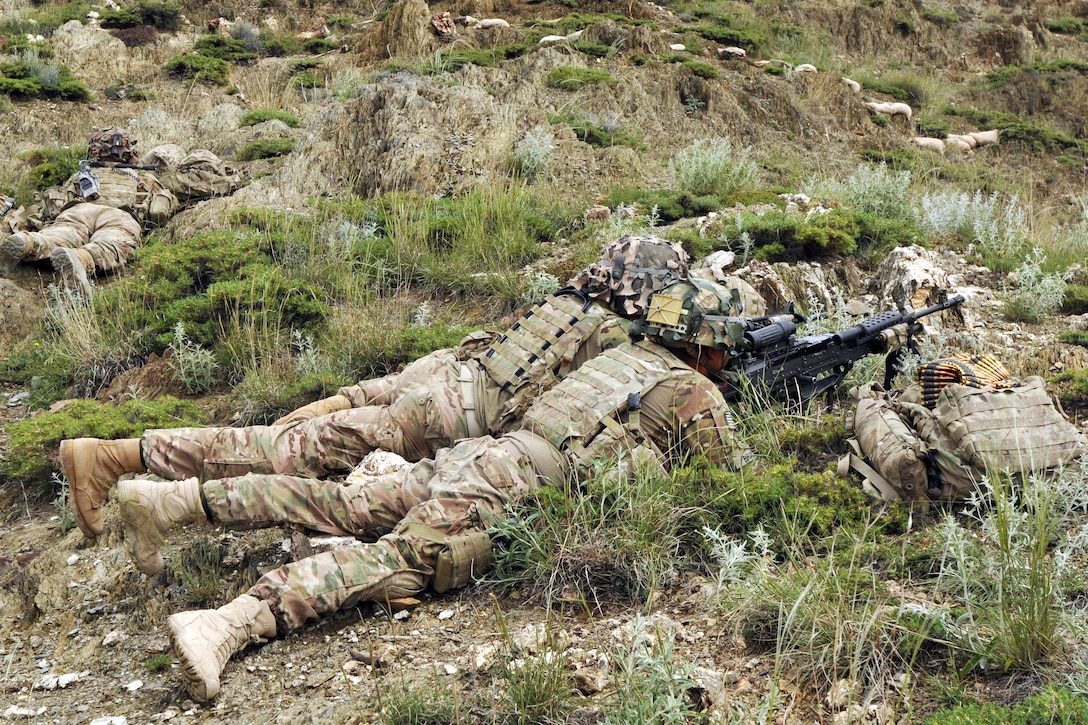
[
  {"x": 910, "y": 277},
  {"x": 89, "y": 51}
]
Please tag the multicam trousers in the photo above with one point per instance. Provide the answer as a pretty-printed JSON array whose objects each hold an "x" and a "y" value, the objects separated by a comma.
[
  {"x": 426, "y": 412},
  {"x": 455, "y": 494},
  {"x": 109, "y": 235}
]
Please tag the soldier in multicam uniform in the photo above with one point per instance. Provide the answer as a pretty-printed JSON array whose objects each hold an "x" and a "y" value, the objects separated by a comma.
[
  {"x": 426, "y": 524},
  {"x": 439, "y": 399},
  {"x": 84, "y": 236}
]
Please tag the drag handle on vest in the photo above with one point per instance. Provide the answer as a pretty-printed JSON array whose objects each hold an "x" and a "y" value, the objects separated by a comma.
[{"x": 795, "y": 369}]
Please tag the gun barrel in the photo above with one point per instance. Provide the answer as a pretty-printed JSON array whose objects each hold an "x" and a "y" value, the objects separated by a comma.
[{"x": 946, "y": 305}]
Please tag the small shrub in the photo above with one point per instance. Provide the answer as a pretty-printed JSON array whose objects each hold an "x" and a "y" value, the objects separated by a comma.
[
  {"x": 750, "y": 40},
  {"x": 1067, "y": 26},
  {"x": 904, "y": 25},
  {"x": 701, "y": 69},
  {"x": 317, "y": 46},
  {"x": 279, "y": 45},
  {"x": 141, "y": 94},
  {"x": 200, "y": 68},
  {"x": 596, "y": 50},
  {"x": 1053, "y": 705},
  {"x": 266, "y": 149},
  {"x": 941, "y": 17},
  {"x": 932, "y": 127},
  {"x": 252, "y": 118},
  {"x": 897, "y": 92},
  {"x": 712, "y": 166},
  {"x": 531, "y": 154},
  {"x": 570, "y": 78},
  {"x": 1036, "y": 294},
  {"x": 194, "y": 366},
  {"x": 1074, "y": 337},
  {"x": 871, "y": 189},
  {"x": 52, "y": 166},
  {"x": 226, "y": 49}
]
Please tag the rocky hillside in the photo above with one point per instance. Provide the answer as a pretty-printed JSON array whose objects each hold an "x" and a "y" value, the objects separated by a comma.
[{"x": 351, "y": 123}]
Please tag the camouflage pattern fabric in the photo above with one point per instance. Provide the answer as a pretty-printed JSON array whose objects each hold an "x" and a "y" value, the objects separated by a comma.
[
  {"x": 136, "y": 192},
  {"x": 630, "y": 269},
  {"x": 455, "y": 493},
  {"x": 112, "y": 144},
  {"x": 200, "y": 175},
  {"x": 108, "y": 234},
  {"x": 426, "y": 414}
]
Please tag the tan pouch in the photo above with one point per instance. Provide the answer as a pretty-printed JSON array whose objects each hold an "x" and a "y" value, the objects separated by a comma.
[{"x": 465, "y": 559}]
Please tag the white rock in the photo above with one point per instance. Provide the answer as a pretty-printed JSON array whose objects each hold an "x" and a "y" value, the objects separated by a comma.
[
  {"x": 449, "y": 669},
  {"x": 73, "y": 559},
  {"x": 402, "y": 614},
  {"x": 492, "y": 23},
  {"x": 805, "y": 68},
  {"x": 445, "y": 614},
  {"x": 841, "y": 694},
  {"x": 677, "y": 46},
  {"x": 134, "y": 685},
  {"x": 376, "y": 463},
  {"x": 53, "y": 682},
  {"x": 552, "y": 40},
  {"x": 114, "y": 637},
  {"x": 14, "y": 712}
]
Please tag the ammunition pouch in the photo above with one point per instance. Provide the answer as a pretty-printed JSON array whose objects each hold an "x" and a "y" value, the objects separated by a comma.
[{"x": 463, "y": 559}]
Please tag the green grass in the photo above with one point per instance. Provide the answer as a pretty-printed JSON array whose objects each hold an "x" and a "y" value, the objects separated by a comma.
[
  {"x": 570, "y": 78},
  {"x": 199, "y": 68},
  {"x": 266, "y": 149}
]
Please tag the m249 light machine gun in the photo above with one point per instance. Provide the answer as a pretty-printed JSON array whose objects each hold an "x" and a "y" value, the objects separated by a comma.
[{"x": 798, "y": 368}]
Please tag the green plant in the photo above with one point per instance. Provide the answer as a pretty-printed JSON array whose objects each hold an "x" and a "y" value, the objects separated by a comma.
[
  {"x": 198, "y": 568},
  {"x": 266, "y": 149},
  {"x": 158, "y": 662},
  {"x": 201, "y": 68},
  {"x": 537, "y": 686},
  {"x": 1075, "y": 301},
  {"x": 33, "y": 76},
  {"x": 571, "y": 78},
  {"x": 230, "y": 50},
  {"x": 932, "y": 127},
  {"x": 941, "y": 17},
  {"x": 712, "y": 166},
  {"x": 194, "y": 366},
  {"x": 871, "y": 189},
  {"x": 652, "y": 684},
  {"x": 1074, "y": 337},
  {"x": 252, "y": 118},
  {"x": 599, "y": 132},
  {"x": 530, "y": 155},
  {"x": 1036, "y": 294},
  {"x": 404, "y": 704}
]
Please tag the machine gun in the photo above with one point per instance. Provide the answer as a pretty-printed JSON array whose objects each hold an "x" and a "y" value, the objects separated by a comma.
[{"x": 798, "y": 368}]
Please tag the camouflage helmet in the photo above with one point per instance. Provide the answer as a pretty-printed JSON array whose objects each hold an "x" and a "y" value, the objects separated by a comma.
[
  {"x": 631, "y": 269},
  {"x": 112, "y": 144},
  {"x": 694, "y": 312}
]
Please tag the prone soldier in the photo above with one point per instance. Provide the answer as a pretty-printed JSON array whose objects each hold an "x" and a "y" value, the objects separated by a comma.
[
  {"x": 435, "y": 401},
  {"x": 426, "y": 525}
]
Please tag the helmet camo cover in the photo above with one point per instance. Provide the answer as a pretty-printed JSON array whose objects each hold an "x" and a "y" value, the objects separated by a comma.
[
  {"x": 631, "y": 269},
  {"x": 112, "y": 144},
  {"x": 694, "y": 312}
]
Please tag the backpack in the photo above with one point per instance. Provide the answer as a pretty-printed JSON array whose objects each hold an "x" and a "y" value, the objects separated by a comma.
[{"x": 970, "y": 432}]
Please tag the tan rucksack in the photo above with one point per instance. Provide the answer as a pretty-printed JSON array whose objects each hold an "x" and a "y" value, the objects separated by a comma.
[{"x": 971, "y": 432}]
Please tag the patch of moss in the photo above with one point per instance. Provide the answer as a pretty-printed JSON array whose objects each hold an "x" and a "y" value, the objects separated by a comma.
[
  {"x": 260, "y": 115},
  {"x": 317, "y": 46},
  {"x": 230, "y": 50},
  {"x": 932, "y": 127},
  {"x": 597, "y": 136},
  {"x": 1075, "y": 301},
  {"x": 199, "y": 68},
  {"x": 34, "y": 441},
  {"x": 671, "y": 205},
  {"x": 895, "y": 91},
  {"x": 570, "y": 78},
  {"x": 751, "y": 40},
  {"x": 698, "y": 67},
  {"x": 266, "y": 149},
  {"x": 1055, "y": 705},
  {"x": 940, "y": 17}
]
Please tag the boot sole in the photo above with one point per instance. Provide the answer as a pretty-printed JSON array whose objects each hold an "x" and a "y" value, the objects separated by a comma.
[
  {"x": 195, "y": 685},
  {"x": 68, "y": 451}
]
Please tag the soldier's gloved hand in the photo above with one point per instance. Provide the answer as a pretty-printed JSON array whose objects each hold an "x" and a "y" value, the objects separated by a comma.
[{"x": 315, "y": 409}]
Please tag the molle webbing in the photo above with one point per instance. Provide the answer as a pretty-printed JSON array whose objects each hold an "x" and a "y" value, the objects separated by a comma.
[
  {"x": 593, "y": 396},
  {"x": 541, "y": 343},
  {"x": 125, "y": 189}
]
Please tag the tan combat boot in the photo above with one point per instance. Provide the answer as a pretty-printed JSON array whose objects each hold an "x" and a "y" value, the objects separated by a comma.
[
  {"x": 75, "y": 266},
  {"x": 204, "y": 640},
  {"x": 149, "y": 509},
  {"x": 92, "y": 467},
  {"x": 12, "y": 251}
]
